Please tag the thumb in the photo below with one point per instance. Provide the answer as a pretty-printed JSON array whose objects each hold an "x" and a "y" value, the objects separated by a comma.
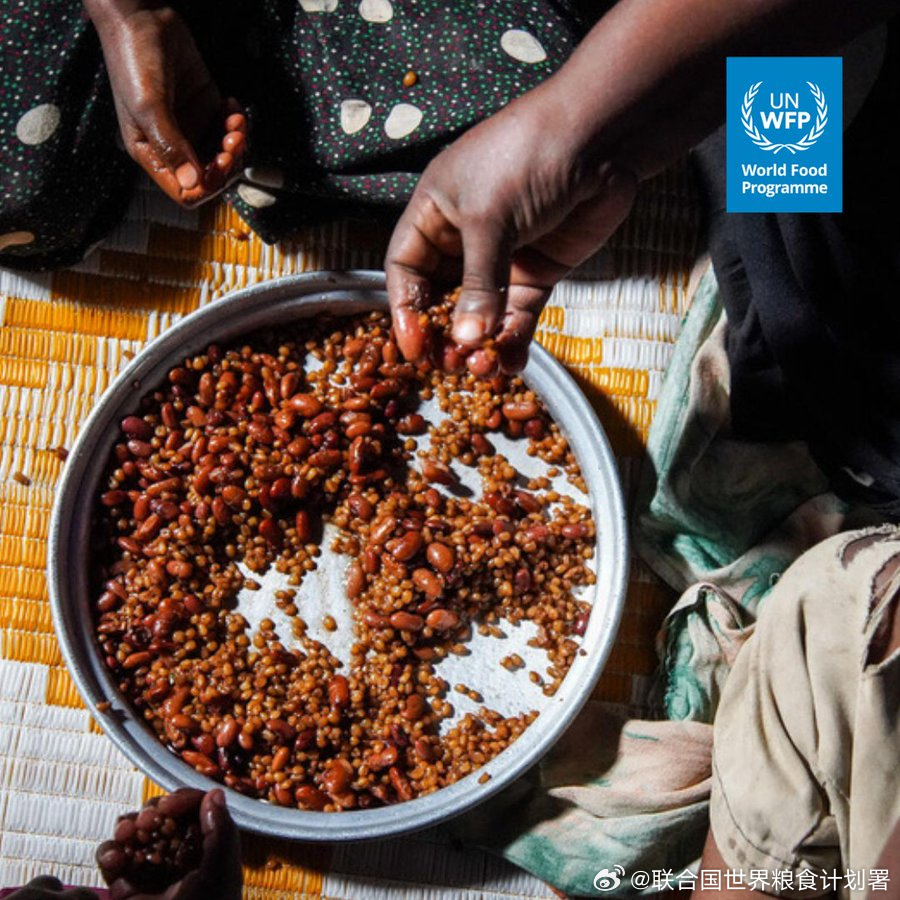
[
  {"x": 169, "y": 145},
  {"x": 486, "y": 262}
]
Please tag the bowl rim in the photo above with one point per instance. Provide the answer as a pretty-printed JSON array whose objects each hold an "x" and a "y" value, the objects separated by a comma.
[{"x": 223, "y": 320}]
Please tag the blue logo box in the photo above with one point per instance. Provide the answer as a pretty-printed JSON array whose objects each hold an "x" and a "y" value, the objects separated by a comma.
[{"x": 784, "y": 134}]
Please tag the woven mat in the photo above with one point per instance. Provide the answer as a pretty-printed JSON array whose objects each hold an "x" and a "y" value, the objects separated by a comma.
[{"x": 63, "y": 338}]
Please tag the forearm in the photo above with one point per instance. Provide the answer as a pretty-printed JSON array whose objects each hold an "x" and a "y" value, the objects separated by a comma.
[
  {"x": 648, "y": 82},
  {"x": 102, "y": 12}
]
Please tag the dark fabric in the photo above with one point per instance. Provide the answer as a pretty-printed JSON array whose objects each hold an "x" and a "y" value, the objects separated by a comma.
[
  {"x": 294, "y": 65},
  {"x": 813, "y": 311},
  {"x": 46, "y": 887}
]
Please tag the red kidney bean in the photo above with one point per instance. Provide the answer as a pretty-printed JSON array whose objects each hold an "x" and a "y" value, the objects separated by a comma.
[
  {"x": 279, "y": 761},
  {"x": 233, "y": 495},
  {"x": 522, "y": 580},
  {"x": 412, "y": 424},
  {"x": 520, "y": 411},
  {"x": 501, "y": 505},
  {"x": 442, "y": 620},
  {"x": 437, "y": 472},
  {"x": 404, "y": 621},
  {"x": 136, "y": 427},
  {"x": 304, "y": 740},
  {"x": 271, "y": 532},
  {"x": 401, "y": 784},
  {"x": 356, "y": 580},
  {"x": 310, "y": 798},
  {"x": 427, "y": 582},
  {"x": 148, "y": 528},
  {"x": 406, "y": 547},
  {"x": 325, "y": 459},
  {"x": 283, "y": 729},
  {"x": 136, "y": 660},
  {"x": 307, "y": 405},
  {"x": 201, "y": 762},
  {"x": 141, "y": 449},
  {"x": 581, "y": 622},
  {"x": 535, "y": 429},
  {"x": 179, "y": 568},
  {"x": 358, "y": 429},
  {"x": 169, "y": 416},
  {"x": 337, "y": 776},
  {"x": 481, "y": 445},
  {"x": 383, "y": 390},
  {"x": 322, "y": 422},
  {"x": 220, "y": 511},
  {"x": 442, "y": 557},
  {"x": 483, "y": 362},
  {"x": 537, "y": 533},
  {"x": 205, "y": 744},
  {"x": 383, "y": 758},
  {"x": 167, "y": 485},
  {"x": 528, "y": 503},
  {"x": 227, "y": 733},
  {"x": 141, "y": 508},
  {"x": 339, "y": 692},
  {"x": 260, "y": 433},
  {"x": 108, "y": 602},
  {"x": 374, "y": 620},
  {"x": 382, "y": 530}
]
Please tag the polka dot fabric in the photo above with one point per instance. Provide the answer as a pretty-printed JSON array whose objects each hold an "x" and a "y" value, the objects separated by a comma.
[
  {"x": 63, "y": 182},
  {"x": 336, "y": 121}
]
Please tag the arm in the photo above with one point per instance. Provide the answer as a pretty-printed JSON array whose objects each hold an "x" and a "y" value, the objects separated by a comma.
[
  {"x": 533, "y": 191},
  {"x": 169, "y": 109}
]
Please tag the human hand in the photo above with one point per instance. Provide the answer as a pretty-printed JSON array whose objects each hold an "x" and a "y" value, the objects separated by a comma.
[
  {"x": 217, "y": 872},
  {"x": 46, "y": 887},
  {"x": 519, "y": 201},
  {"x": 174, "y": 122}
]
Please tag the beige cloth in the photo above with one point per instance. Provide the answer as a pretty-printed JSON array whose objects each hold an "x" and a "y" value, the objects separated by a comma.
[{"x": 807, "y": 736}]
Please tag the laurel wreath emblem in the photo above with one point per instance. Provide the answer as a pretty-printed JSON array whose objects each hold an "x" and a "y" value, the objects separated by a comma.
[{"x": 807, "y": 141}]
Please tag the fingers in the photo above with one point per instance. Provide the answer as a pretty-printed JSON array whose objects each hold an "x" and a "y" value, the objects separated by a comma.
[
  {"x": 538, "y": 267},
  {"x": 111, "y": 860},
  {"x": 47, "y": 882},
  {"x": 179, "y": 802},
  {"x": 161, "y": 149},
  {"x": 486, "y": 260},
  {"x": 220, "y": 868},
  {"x": 523, "y": 308},
  {"x": 168, "y": 148},
  {"x": 413, "y": 256}
]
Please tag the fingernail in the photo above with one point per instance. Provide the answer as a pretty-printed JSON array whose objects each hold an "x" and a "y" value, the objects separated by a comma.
[
  {"x": 217, "y": 798},
  {"x": 468, "y": 329},
  {"x": 187, "y": 176}
]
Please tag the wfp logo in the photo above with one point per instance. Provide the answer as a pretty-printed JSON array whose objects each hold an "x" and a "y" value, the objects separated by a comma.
[
  {"x": 608, "y": 879},
  {"x": 784, "y": 115}
]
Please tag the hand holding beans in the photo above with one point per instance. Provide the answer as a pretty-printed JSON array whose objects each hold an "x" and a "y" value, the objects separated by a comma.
[
  {"x": 507, "y": 210},
  {"x": 182, "y": 846},
  {"x": 174, "y": 122}
]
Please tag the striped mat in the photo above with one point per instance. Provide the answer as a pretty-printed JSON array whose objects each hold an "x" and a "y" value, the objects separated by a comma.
[{"x": 63, "y": 338}]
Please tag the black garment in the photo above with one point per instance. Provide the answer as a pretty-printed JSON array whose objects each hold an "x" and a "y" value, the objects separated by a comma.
[
  {"x": 813, "y": 308},
  {"x": 334, "y": 126}
]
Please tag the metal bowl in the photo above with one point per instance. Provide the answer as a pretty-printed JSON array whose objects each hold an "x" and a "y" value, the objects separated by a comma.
[{"x": 240, "y": 313}]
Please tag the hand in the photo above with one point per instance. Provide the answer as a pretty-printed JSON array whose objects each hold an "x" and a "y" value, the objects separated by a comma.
[
  {"x": 218, "y": 874},
  {"x": 169, "y": 109},
  {"x": 521, "y": 202},
  {"x": 46, "y": 887}
]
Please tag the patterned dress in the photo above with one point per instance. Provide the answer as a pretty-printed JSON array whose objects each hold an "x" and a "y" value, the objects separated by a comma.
[{"x": 334, "y": 127}]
